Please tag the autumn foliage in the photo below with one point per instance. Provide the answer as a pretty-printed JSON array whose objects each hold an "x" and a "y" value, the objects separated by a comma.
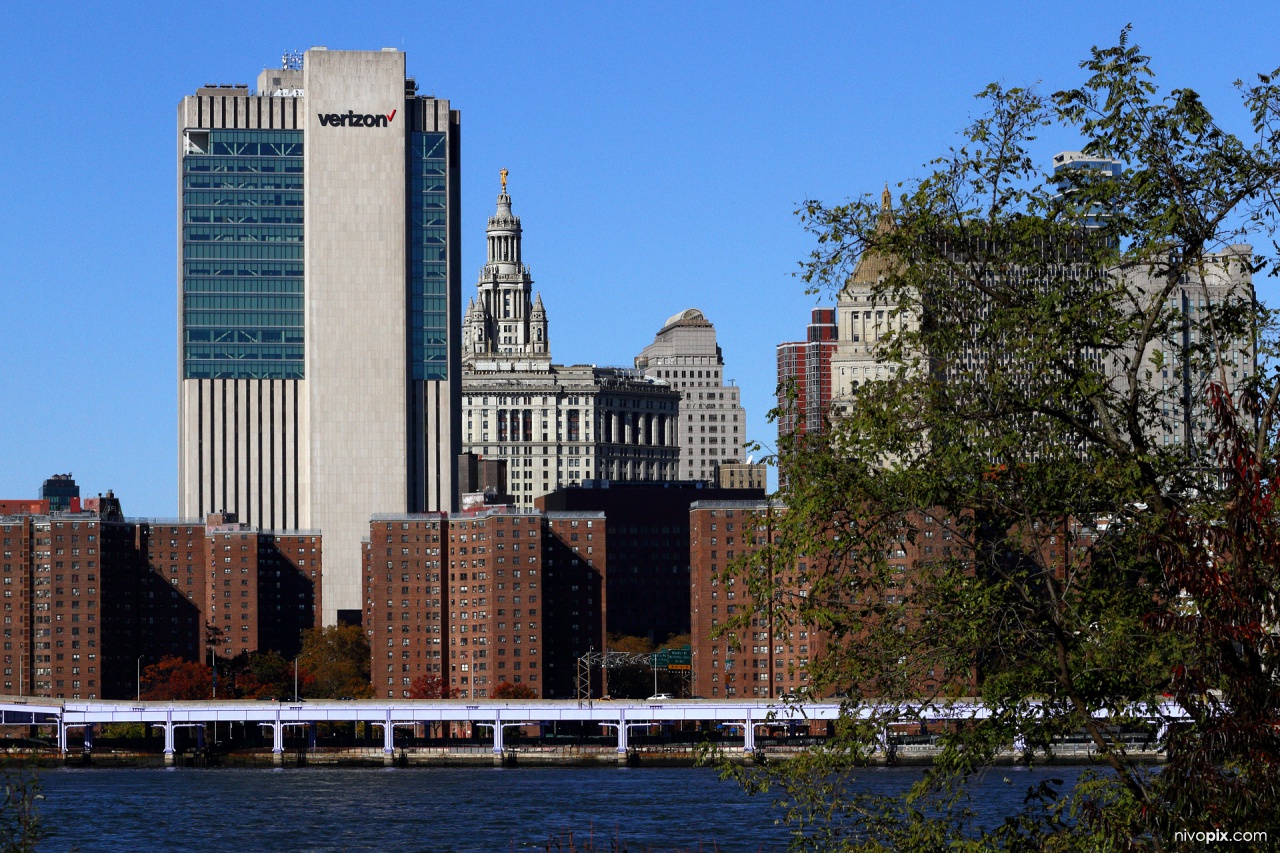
[
  {"x": 175, "y": 679},
  {"x": 507, "y": 690},
  {"x": 429, "y": 686}
]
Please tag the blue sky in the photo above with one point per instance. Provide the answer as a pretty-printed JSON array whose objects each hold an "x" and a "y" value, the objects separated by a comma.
[{"x": 657, "y": 152}]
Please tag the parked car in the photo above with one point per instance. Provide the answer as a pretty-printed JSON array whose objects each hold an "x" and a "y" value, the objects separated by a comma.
[{"x": 658, "y": 697}]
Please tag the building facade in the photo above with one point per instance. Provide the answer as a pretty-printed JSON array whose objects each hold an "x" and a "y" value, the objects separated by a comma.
[
  {"x": 764, "y": 661},
  {"x": 646, "y": 585},
  {"x": 61, "y": 492},
  {"x": 1181, "y": 362},
  {"x": 1185, "y": 360},
  {"x": 713, "y": 425},
  {"x": 863, "y": 319},
  {"x": 318, "y": 285},
  {"x": 744, "y": 475},
  {"x": 91, "y": 596},
  {"x": 505, "y": 321},
  {"x": 804, "y": 376},
  {"x": 553, "y": 424},
  {"x": 771, "y": 655},
  {"x": 468, "y": 597}
]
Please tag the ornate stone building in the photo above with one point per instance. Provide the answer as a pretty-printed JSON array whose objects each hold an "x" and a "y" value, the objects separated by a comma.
[
  {"x": 553, "y": 424},
  {"x": 1179, "y": 384},
  {"x": 502, "y": 323},
  {"x": 862, "y": 321},
  {"x": 712, "y": 423}
]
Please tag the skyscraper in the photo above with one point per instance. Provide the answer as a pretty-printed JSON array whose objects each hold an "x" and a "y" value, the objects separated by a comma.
[
  {"x": 318, "y": 294},
  {"x": 863, "y": 318},
  {"x": 712, "y": 425},
  {"x": 804, "y": 376}
]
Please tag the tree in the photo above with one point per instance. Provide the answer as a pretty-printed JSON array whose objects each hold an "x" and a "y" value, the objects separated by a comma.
[
  {"x": 337, "y": 660},
  {"x": 629, "y": 644},
  {"x": 1034, "y": 367},
  {"x": 429, "y": 685},
  {"x": 21, "y": 828},
  {"x": 265, "y": 675},
  {"x": 176, "y": 679},
  {"x": 507, "y": 690}
]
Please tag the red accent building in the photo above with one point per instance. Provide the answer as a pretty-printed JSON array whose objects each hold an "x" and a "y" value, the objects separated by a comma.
[{"x": 804, "y": 369}]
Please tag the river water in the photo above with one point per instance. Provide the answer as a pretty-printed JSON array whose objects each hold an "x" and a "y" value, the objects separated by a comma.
[{"x": 424, "y": 810}]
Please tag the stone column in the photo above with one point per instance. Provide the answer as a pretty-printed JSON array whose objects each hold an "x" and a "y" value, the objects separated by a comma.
[
  {"x": 388, "y": 741},
  {"x": 168, "y": 737},
  {"x": 277, "y": 741}
]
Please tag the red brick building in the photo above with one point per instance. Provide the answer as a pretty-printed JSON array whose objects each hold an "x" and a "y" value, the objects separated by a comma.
[
  {"x": 463, "y": 598},
  {"x": 90, "y": 596},
  {"x": 762, "y": 661},
  {"x": 263, "y": 588},
  {"x": 647, "y": 526},
  {"x": 804, "y": 368},
  {"x": 406, "y": 602},
  {"x": 765, "y": 659},
  {"x": 575, "y": 571}
]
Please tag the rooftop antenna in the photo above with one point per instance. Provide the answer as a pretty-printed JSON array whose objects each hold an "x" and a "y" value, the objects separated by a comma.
[{"x": 291, "y": 60}]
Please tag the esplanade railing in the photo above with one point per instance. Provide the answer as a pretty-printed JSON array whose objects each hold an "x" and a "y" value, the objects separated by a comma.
[{"x": 497, "y": 714}]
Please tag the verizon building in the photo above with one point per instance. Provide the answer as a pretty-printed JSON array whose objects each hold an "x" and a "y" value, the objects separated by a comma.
[{"x": 318, "y": 287}]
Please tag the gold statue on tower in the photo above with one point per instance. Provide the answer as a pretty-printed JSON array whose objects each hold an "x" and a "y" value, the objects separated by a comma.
[{"x": 503, "y": 173}]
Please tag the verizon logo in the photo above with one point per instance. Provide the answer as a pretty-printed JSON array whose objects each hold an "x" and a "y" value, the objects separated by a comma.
[{"x": 354, "y": 119}]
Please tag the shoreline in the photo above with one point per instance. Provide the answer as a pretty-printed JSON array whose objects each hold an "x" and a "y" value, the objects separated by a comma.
[{"x": 481, "y": 756}]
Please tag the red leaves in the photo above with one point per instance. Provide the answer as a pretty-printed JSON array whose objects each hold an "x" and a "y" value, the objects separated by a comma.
[
  {"x": 176, "y": 679},
  {"x": 507, "y": 690},
  {"x": 429, "y": 686}
]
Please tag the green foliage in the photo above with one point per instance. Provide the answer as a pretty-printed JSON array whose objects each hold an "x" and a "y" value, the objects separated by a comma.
[
  {"x": 20, "y": 825},
  {"x": 1082, "y": 564},
  {"x": 337, "y": 661},
  {"x": 263, "y": 675}
]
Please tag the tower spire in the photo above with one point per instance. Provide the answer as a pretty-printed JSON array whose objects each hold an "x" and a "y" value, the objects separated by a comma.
[{"x": 507, "y": 324}]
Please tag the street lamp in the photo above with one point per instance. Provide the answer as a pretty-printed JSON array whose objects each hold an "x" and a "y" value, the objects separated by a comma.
[
  {"x": 213, "y": 657},
  {"x": 140, "y": 657},
  {"x": 213, "y": 663},
  {"x": 295, "y": 679}
]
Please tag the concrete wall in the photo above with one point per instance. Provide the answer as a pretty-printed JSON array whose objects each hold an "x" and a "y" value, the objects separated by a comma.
[{"x": 355, "y": 308}]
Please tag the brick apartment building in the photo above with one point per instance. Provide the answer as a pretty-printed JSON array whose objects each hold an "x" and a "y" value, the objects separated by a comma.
[
  {"x": 575, "y": 568},
  {"x": 768, "y": 660},
  {"x": 467, "y": 598},
  {"x": 804, "y": 369},
  {"x": 647, "y": 527},
  {"x": 90, "y": 595},
  {"x": 264, "y": 587}
]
